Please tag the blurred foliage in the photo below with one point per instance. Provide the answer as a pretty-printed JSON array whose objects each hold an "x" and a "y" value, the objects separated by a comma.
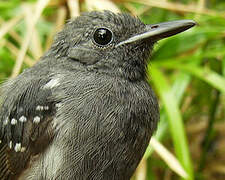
[{"x": 187, "y": 72}]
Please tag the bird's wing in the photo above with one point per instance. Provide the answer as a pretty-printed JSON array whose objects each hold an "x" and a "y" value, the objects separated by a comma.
[{"x": 26, "y": 112}]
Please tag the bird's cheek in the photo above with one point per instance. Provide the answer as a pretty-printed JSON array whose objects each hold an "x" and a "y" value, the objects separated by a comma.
[{"x": 84, "y": 55}]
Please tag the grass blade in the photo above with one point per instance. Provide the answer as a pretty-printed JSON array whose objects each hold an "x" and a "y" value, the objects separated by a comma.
[
  {"x": 169, "y": 158},
  {"x": 174, "y": 118},
  {"x": 205, "y": 74}
]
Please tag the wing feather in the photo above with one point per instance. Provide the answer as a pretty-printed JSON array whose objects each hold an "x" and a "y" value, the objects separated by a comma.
[{"x": 26, "y": 113}]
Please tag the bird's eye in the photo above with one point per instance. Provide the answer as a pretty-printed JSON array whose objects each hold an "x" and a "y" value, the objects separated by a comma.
[{"x": 102, "y": 36}]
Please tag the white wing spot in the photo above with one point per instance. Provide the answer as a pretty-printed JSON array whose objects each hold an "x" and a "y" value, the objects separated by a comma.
[
  {"x": 39, "y": 108},
  {"x": 17, "y": 147},
  {"x": 58, "y": 105},
  {"x": 6, "y": 121},
  {"x": 52, "y": 83},
  {"x": 0, "y": 141},
  {"x": 23, "y": 149},
  {"x": 46, "y": 108},
  {"x": 13, "y": 121},
  {"x": 22, "y": 119},
  {"x": 10, "y": 144},
  {"x": 37, "y": 119}
]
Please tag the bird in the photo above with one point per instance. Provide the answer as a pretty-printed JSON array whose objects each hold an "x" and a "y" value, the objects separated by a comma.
[{"x": 85, "y": 110}]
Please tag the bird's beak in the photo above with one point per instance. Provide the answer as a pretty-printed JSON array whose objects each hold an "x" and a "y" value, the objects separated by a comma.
[{"x": 159, "y": 31}]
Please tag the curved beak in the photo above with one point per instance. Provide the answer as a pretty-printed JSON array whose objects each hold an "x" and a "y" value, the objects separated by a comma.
[{"x": 159, "y": 31}]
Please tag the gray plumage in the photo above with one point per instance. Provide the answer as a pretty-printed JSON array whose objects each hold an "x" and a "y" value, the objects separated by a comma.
[{"x": 85, "y": 110}]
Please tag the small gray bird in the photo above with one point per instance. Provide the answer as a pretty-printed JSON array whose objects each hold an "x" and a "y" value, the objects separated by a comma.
[{"x": 85, "y": 111}]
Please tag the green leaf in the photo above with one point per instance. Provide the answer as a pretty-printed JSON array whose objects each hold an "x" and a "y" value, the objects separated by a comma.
[
  {"x": 178, "y": 88},
  {"x": 204, "y": 73},
  {"x": 175, "y": 119}
]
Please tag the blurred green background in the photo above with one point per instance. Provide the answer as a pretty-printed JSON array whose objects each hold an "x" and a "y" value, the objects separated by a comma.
[{"x": 187, "y": 72}]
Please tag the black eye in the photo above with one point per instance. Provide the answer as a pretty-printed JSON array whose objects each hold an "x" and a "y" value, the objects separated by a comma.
[{"x": 102, "y": 36}]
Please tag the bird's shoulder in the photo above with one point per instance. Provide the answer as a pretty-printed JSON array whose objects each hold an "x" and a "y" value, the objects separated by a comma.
[{"x": 94, "y": 95}]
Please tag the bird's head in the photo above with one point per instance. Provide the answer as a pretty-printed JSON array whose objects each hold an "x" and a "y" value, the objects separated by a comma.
[{"x": 117, "y": 44}]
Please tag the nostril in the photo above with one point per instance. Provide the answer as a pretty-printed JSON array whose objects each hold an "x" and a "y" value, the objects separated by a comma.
[{"x": 155, "y": 26}]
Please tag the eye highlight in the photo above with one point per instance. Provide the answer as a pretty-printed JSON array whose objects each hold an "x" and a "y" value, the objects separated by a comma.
[{"x": 102, "y": 36}]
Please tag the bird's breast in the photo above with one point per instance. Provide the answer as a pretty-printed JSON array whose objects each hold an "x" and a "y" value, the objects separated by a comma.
[{"x": 107, "y": 122}]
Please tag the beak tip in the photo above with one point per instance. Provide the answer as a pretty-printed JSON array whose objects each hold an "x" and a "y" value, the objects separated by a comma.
[
  {"x": 191, "y": 23},
  {"x": 167, "y": 29}
]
